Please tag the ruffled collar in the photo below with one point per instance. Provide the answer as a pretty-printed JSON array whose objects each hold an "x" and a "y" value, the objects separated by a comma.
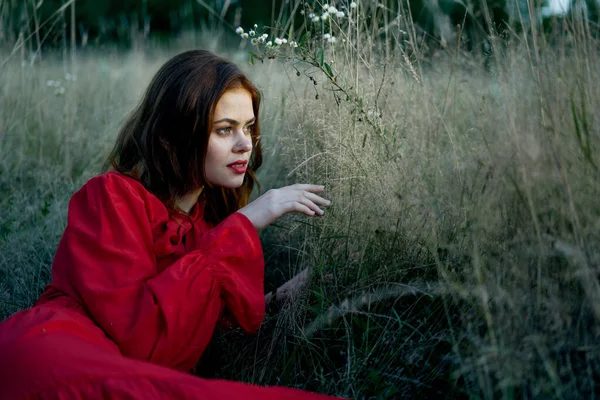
[{"x": 196, "y": 213}]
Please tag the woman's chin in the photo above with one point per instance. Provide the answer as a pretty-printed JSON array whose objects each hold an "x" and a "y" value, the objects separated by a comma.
[{"x": 230, "y": 184}]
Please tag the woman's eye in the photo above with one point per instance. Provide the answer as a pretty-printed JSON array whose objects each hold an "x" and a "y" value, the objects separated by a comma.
[
  {"x": 224, "y": 131},
  {"x": 227, "y": 130}
]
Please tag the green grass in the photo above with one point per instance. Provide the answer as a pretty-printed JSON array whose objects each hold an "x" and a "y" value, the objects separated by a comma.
[{"x": 460, "y": 257}]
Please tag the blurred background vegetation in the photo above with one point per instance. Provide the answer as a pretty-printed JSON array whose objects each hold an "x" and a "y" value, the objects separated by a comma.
[
  {"x": 458, "y": 140},
  {"x": 96, "y": 22}
]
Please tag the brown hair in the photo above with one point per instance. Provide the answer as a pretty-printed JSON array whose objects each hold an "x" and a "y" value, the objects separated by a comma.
[{"x": 163, "y": 142}]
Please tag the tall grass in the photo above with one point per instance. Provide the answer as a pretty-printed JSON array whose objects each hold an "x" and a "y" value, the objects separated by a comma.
[{"x": 460, "y": 257}]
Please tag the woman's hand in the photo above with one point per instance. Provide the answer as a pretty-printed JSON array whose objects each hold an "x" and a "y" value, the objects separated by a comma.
[
  {"x": 287, "y": 290},
  {"x": 273, "y": 204},
  {"x": 296, "y": 283}
]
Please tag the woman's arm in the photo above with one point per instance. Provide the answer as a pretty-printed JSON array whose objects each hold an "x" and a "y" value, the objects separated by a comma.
[{"x": 105, "y": 260}]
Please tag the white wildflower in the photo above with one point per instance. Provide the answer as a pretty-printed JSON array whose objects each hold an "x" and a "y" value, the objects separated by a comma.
[
  {"x": 340, "y": 14},
  {"x": 316, "y": 18},
  {"x": 254, "y": 41},
  {"x": 269, "y": 44},
  {"x": 255, "y": 26},
  {"x": 325, "y": 16},
  {"x": 239, "y": 30},
  {"x": 353, "y": 4},
  {"x": 245, "y": 35},
  {"x": 345, "y": 304},
  {"x": 325, "y": 6},
  {"x": 326, "y": 36},
  {"x": 70, "y": 77},
  {"x": 311, "y": 15},
  {"x": 301, "y": 12},
  {"x": 332, "y": 10},
  {"x": 278, "y": 41},
  {"x": 252, "y": 33},
  {"x": 59, "y": 91},
  {"x": 332, "y": 39},
  {"x": 293, "y": 44},
  {"x": 374, "y": 112},
  {"x": 284, "y": 41}
]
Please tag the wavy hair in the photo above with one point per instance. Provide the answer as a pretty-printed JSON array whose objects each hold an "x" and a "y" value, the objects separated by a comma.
[{"x": 163, "y": 142}]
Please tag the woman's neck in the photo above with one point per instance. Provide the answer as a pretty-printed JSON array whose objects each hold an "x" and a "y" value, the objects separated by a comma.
[{"x": 186, "y": 202}]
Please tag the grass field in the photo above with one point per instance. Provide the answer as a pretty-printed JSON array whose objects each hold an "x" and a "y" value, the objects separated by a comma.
[{"x": 460, "y": 257}]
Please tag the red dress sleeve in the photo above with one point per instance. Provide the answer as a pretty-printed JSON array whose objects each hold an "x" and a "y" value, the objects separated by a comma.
[{"x": 105, "y": 260}]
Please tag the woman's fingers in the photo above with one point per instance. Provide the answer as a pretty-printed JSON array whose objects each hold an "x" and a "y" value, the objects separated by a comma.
[
  {"x": 317, "y": 199},
  {"x": 302, "y": 208},
  {"x": 310, "y": 204},
  {"x": 309, "y": 200},
  {"x": 301, "y": 205},
  {"x": 308, "y": 187},
  {"x": 313, "y": 201},
  {"x": 299, "y": 198}
]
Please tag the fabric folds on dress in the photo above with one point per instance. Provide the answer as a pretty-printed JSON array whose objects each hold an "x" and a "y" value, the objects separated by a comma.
[{"x": 135, "y": 287}]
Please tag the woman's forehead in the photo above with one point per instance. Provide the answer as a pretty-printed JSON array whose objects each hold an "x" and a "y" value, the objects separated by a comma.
[{"x": 235, "y": 104}]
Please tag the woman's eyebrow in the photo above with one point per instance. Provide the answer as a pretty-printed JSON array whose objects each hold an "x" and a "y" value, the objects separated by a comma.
[{"x": 233, "y": 121}]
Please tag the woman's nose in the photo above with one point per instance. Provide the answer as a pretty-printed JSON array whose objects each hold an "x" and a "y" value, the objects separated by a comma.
[{"x": 244, "y": 143}]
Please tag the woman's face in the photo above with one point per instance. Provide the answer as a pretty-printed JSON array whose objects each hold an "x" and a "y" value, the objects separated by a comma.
[{"x": 230, "y": 140}]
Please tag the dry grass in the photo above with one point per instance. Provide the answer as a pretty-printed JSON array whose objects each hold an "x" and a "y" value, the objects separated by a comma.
[{"x": 460, "y": 257}]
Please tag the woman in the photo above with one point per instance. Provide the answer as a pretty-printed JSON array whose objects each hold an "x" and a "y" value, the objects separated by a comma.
[{"x": 157, "y": 250}]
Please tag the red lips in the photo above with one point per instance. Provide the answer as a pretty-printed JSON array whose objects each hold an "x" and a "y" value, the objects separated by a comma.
[{"x": 238, "y": 162}]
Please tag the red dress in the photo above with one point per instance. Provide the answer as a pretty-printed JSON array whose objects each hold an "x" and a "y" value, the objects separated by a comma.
[{"x": 136, "y": 293}]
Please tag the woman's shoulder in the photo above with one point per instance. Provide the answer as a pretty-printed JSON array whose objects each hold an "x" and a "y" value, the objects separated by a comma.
[
  {"x": 117, "y": 183},
  {"x": 117, "y": 186}
]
